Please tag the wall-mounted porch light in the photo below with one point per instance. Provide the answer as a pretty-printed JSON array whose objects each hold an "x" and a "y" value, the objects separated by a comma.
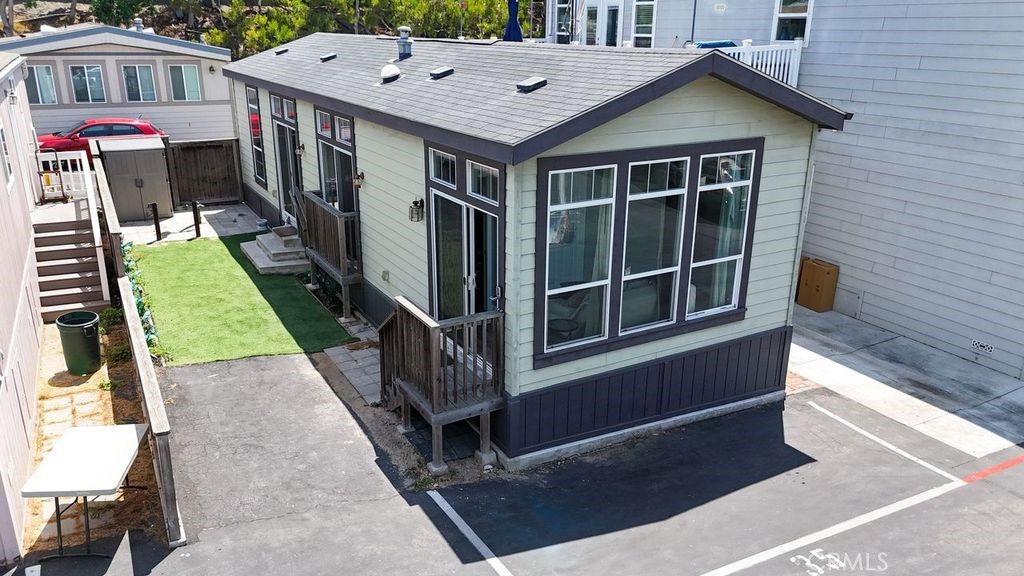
[
  {"x": 357, "y": 182},
  {"x": 212, "y": 69},
  {"x": 416, "y": 211}
]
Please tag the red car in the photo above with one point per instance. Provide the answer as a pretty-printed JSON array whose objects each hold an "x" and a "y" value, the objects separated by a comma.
[{"x": 77, "y": 138}]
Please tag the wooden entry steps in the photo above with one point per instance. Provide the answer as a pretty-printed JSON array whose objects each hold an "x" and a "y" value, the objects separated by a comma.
[{"x": 68, "y": 267}]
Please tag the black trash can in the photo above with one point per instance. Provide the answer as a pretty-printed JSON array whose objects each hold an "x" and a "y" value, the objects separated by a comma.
[{"x": 80, "y": 339}]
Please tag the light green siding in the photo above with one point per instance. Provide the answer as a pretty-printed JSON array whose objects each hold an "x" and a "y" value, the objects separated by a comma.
[
  {"x": 241, "y": 112},
  {"x": 705, "y": 110}
]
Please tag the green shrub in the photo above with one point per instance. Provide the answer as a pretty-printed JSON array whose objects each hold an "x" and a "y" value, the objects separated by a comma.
[{"x": 110, "y": 317}]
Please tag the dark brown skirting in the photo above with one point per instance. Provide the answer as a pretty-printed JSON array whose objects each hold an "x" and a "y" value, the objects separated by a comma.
[{"x": 663, "y": 388}]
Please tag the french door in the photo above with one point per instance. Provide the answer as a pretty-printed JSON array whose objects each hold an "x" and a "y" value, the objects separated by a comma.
[
  {"x": 465, "y": 258},
  {"x": 602, "y": 23},
  {"x": 336, "y": 175},
  {"x": 288, "y": 175}
]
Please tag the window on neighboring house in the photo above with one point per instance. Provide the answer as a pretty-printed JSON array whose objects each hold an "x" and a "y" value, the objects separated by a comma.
[
  {"x": 185, "y": 83},
  {"x": 442, "y": 167},
  {"x": 563, "y": 21},
  {"x": 643, "y": 24},
  {"x": 791, "y": 19},
  {"x": 87, "y": 84},
  {"x": 323, "y": 124},
  {"x": 39, "y": 84},
  {"x": 259, "y": 163},
  {"x": 719, "y": 234},
  {"x": 343, "y": 129},
  {"x": 483, "y": 181},
  {"x": 654, "y": 232},
  {"x": 579, "y": 248},
  {"x": 138, "y": 83},
  {"x": 8, "y": 167}
]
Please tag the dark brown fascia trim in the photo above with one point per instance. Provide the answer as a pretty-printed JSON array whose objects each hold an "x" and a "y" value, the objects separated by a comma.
[
  {"x": 763, "y": 86},
  {"x": 494, "y": 151},
  {"x": 713, "y": 63}
]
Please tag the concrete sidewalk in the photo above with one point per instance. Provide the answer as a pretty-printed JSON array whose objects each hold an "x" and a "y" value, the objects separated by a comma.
[{"x": 962, "y": 404}]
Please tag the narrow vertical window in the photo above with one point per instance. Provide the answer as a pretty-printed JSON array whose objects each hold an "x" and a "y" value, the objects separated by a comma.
[
  {"x": 579, "y": 246},
  {"x": 259, "y": 161},
  {"x": 654, "y": 230},
  {"x": 39, "y": 85},
  {"x": 138, "y": 83},
  {"x": 275, "y": 106},
  {"x": 791, "y": 19},
  {"x": 563, "y": 21},
  {"x": 343, "y": 129},
  {"x": 8, "y": 168},
  {"x": 643, "y": 24},
  {"x": 483, "y": 181},
  {"x": 443, "y": 168},
  {"x": 719, "y": 235},
  {"x": 87, "y": 84},
  {"x": 185, "y": 83},
  {"x": 323, "y": 123}
]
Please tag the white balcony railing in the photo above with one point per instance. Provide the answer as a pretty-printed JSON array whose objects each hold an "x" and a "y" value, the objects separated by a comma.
[{"x": 780, "y": 61}]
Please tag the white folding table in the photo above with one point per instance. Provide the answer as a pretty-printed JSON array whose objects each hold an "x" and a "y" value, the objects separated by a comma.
[{"x": 87, "y": 461}]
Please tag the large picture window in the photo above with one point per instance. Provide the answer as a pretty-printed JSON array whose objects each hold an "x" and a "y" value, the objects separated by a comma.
[
  {"x": 87, "y": 84},
  {"x": 185, "y": 83},
  {"x": 259, "y": 159},
  {"x": 39, "y": 84},
  {"x": 138, "y": 83},
  {"x": 636, "y": 245},
  {"x": 579, "y": 247}
]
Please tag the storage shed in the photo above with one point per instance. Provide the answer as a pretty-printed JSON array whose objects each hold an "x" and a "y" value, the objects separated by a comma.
[
  {"x": 564, "y": 243},
  {"x": 137, "y": 173}
]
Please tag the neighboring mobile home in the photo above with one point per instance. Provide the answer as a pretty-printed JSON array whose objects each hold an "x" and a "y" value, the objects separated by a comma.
[
  {"x": 20, "y": 320},
  {"x": 627, "y": 219},
  {"x": 96, "y": 71},
  {"x": 919, "y": 200}
]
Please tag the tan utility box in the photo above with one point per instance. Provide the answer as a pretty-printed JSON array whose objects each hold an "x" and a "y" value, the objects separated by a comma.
[{"x": 817, "y": 289}]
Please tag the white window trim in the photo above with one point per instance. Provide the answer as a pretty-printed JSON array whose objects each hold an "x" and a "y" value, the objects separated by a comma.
[
  {"x": 678, "y": 268},
  {"x": 777, "y": 15},
  {"x": 469, "y": 180},
  {"x": 737, "y": 281},
  {"x": 124, "y": 81},
  {"x": 53, "y": 85},
  {"x": 554, "y": 19},
  {"x": 71, "y": 82},
  {"x": 453, "y": 185},
  {"x": 199, "y": 82},
  {"x": 250, "y": 109},
  {"x": 276, "y": 106},
  {"x": 294, "y": 116},
  {"x": 654, "y": 22},
  {"x": 5, "y": 149},
  {"x": 319, "y": 125},
  {"x": 320, "y": 168},
  {"x": 607, "y": 282},
  {"x": 337, "y": 136}
]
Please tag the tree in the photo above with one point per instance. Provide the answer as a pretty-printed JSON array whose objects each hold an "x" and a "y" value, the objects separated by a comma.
[
  {"x": 247, "y": 32},
  {"x": 116, "y": 12}
]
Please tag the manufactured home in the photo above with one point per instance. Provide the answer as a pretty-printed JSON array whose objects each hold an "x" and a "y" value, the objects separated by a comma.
[
  {"x": 96, "y": 71},
  {"x": 564, "y": 242}
]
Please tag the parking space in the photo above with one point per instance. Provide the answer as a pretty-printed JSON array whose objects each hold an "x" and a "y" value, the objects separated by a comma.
[{"x": 751, "y": 493}]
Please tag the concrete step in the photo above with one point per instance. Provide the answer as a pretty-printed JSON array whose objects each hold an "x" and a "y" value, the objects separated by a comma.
[
  {"x": 68, "y": 265},
  {"x": 281, "y": 249},
  {"x": 70, "y": 295},
  {"x": 63, "y": 237},
  {"x": 69, "y": 280},
  {"x": 62, "y": 226},
  {"x": 79, "y": 250},
  {"x": 265, "y": 265},
  {"x": 51, "y": 313}
]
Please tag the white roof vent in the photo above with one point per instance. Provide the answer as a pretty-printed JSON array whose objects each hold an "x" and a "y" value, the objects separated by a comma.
[{"x": 389, "y": 73}]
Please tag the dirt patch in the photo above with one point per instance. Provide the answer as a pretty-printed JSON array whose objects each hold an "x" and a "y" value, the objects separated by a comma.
[
  {"x": 108, "y": 396},
  {"x": 409, "y": 469},
  {"x": 796, "y": 384}
]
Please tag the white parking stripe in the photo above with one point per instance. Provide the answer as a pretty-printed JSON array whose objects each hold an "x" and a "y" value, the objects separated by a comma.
[
  {"x": 470, "y": 535},
  {"x": 881, "y": 442},
  {"x": 834, "y": 530}
]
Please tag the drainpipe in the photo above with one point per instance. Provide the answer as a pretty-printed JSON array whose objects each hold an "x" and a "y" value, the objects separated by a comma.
[{"x": 693, "y": 22}]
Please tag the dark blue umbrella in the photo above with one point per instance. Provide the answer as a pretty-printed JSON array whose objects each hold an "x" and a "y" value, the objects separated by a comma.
[{"x": 513, "y": 33}]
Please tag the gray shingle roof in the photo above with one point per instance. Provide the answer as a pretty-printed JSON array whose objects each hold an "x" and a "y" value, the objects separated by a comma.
[
  {"x": 37, "y": 41},
  {"x": 479, "y": 102}
]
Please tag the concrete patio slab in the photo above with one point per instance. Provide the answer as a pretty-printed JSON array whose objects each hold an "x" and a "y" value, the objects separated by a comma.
[{"x": 215, "y": 221}]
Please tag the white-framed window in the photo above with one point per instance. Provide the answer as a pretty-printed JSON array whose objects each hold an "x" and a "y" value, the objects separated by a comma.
[
  {"x": 563, "y": 21},
  {"x": 792, "y": 20},
  {"x": 343, "y": 129},
  {"x": 5, "y": 150},
  {"x": 39, "y": 85},
  {"x": 185, "y": 83},
  {"x": 289, "y": 109},
  {"x": 719, "y": 232},
  {"x": 323, "y": 124},
  {"x": 581, "y": 210},
  {"x": 653, "y": 243},
  {"x": 259, "y": 160},
  {"x": 276, "y": 108},
  {"x": 138, "y": 83},
  {"x": 443, "y": 168},
  {"x": 87, "y": 84},
  {"x": 483, "y": 181},
  {"x": 643, "y": 23}
]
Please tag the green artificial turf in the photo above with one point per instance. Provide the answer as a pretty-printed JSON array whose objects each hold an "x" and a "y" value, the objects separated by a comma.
[{"x": 209, "y": 303}]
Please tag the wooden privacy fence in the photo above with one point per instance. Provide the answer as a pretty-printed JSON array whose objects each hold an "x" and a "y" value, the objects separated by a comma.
[{"x": 205, "y": 171}]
